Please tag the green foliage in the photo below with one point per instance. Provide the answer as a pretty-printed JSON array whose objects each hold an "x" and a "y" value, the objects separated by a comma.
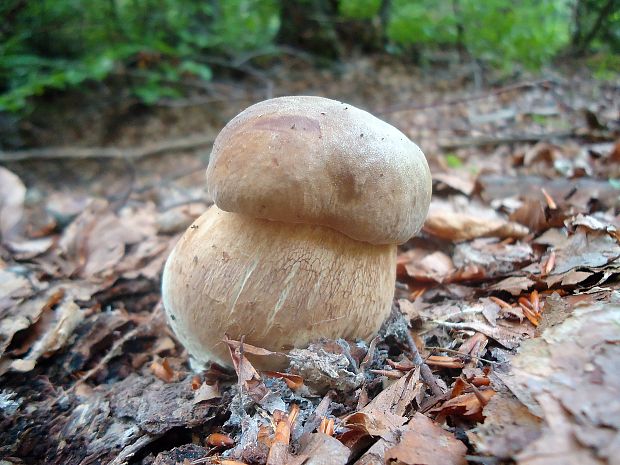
[
  {"x": 359, "y": 9},
  {"x": 153, "y": 44},
  {"x": 453, "y": 161},
  {"x": 605, "y": 66},
  {"x": 421, "y": 22},
  {"x": 528, "y": 31}
]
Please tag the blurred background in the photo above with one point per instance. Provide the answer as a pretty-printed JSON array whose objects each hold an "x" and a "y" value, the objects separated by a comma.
[{"x": 81, "y": 71}]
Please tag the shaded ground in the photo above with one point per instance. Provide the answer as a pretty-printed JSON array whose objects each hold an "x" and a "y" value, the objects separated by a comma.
[{"x": 519, "y": 253}]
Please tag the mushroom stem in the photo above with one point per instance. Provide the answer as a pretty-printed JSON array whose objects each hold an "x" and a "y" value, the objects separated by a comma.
[{"x": 281, "y": 285}]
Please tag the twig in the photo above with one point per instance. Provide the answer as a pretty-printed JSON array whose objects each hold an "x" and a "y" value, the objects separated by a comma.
[
  {"x": 52, "y": 153},
  {"x": 425, "y": 371},
  {"x": 467, "y": 356},
  {"x": 114, "y": 351},
  {"x": 501, "y": 90},
  {"x": 514, "y": 138}
]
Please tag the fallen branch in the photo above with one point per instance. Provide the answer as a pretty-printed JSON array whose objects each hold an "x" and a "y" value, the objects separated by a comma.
[
  {"x": 52, "y": 153},
  {"x": 510, "y": 139},
  {"x": 546, "y": 83}
]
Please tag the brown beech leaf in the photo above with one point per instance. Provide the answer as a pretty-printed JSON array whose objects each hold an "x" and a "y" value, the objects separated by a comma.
[
  {"x": 247, "y": 375},
  {"x": 321, "y": 449},
  {"x": 570, "y": 378},
  {"x": 516, "y": 285},
  {"x": 385, "y": 412},
  {"x": 459, "y": 182},
  {"x": 449, "y": 221},
  {"x": 294, "y": 382},
  {"x": 468, "y": 406},
  {"x": 436, "y": 266},
  {"x": 206, "y": 392},
  {"x": 425, "y": 442},
  {"x": 95, "y": 242},
  {"x": 508, "y": 428},
  {"x": 162, "y": 370}
]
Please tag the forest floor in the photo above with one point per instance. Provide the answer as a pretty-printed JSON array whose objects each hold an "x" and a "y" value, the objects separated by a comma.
[{"x": 511, "y": 291}]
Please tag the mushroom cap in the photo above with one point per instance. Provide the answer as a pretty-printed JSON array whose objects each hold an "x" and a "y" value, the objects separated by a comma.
[{"x": 318, "y": 161}]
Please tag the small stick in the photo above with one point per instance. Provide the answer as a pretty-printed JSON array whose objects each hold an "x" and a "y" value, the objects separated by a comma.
[
  {"x": 425, "y": 371},
  {"x": 468, "y": 356},
  {"x": 279, "y": 448}
]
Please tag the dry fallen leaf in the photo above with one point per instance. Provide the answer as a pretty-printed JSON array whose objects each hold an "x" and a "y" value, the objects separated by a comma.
[
  {"x": 247, "y": 375},
  {"x": 385, "y": 413},
  {"x": 570, "y": 377},
  {"x": 468, "y": 406},
  {"x": 469, "y": 221},
  {"x": 321, "y": 449},
  {"x": 95, "y": 242},
  {"x": 12, "y": 195},
  {"x": 508, "y": 428},
  {"x": 425, "y": 442},
  {"x": 162, "y": 370}
]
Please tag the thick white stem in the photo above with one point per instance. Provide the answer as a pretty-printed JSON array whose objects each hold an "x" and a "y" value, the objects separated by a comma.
[{"x": 281, "y": 285}]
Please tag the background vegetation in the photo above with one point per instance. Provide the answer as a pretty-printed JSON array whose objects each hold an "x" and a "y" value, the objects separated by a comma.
[{"x": 48, "y": 46}]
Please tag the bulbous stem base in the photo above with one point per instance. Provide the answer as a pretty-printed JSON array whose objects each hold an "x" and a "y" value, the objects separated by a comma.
[{"x": 281, "y": 285}]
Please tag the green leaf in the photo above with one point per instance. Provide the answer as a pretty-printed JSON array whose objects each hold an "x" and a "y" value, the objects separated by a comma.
[{"x": 453, "y": 161}]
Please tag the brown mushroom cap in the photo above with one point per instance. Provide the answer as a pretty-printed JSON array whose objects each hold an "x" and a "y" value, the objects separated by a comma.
[{"x": 318, "y": 161}]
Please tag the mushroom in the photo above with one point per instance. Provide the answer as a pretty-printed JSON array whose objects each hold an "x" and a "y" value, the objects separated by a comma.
[{"x": 311, "y": 198}]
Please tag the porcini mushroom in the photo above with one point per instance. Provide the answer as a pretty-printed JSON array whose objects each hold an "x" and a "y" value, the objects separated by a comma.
[{"x": 311, "y": 198}]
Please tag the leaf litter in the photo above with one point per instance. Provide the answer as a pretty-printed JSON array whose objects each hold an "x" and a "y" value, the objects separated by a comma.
[{"x": 509, "y": 295}]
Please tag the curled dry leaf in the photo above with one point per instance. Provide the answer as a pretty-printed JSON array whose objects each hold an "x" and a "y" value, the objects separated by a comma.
[
  {"x": 12, "y": 195},
  {"x": 247, "y": 375},
  {"x": 206, "y": 392},
  {"x": 294, "y": 382},
  {"x": 220, "y": 440},
  {"x": 585, "y": 248},
  {"x": 49, "y": 336},
  {"x": 162, "y": 370},
  {"x": 494, "y": 257},
  {"x": 468, "y": 406},
  {"x": 507, "y": 333},
  {"x": 447, "y": 221},
  {"x": 95, "y": 242},
  {"x": 434, "y": 267},
  {"x": 385, "y": 413}
]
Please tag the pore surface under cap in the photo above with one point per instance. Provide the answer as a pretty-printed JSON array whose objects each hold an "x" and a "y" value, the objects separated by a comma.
[{"x": 318, "y": 161}]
